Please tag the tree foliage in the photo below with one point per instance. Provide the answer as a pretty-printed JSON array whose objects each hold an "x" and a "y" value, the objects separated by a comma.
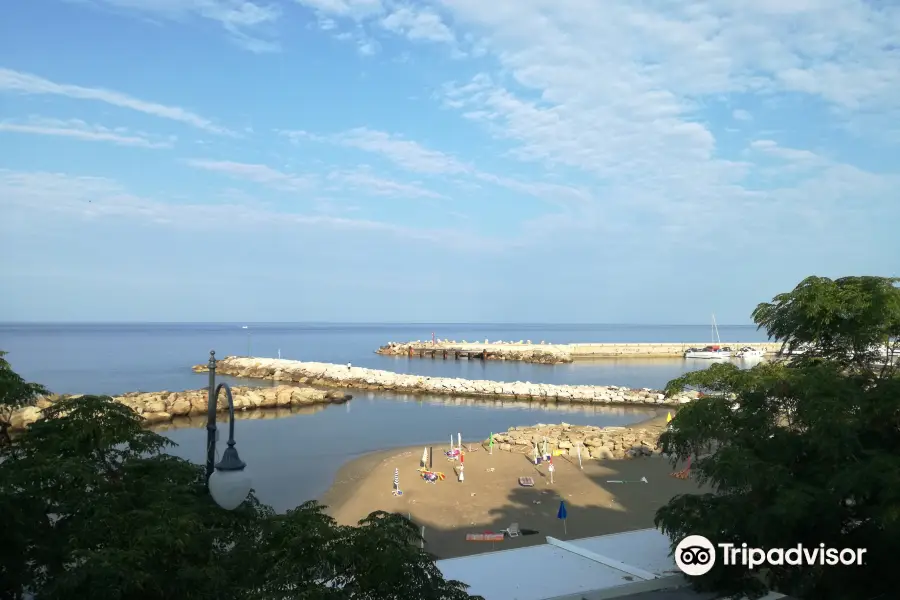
[
  {"x": 92, "y": 506},
  {"x": 15, "y": 393},
  {"x": 802, "y": 451}
]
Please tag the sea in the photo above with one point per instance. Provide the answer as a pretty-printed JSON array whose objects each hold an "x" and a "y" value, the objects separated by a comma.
[{"x": 296, "y": 457}]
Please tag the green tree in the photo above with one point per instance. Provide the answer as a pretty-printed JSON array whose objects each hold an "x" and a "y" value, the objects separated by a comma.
[
  {"x": 800, "y": 451},
  {"x": 15, "y": 393},
  {"x": 93, "y": 507}
]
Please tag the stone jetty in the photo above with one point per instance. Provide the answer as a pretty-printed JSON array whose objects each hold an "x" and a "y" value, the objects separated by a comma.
[
  {"x": 522, "y": 351},
  {"x": 542, "y": 352},
  {"x": 595, "y": 442},
  {"x": 325, "y": 374},
  {"x": 162, "y": 407}
]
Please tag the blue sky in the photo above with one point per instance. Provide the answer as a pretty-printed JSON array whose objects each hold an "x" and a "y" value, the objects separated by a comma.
[{"x": 442, "y": 160}]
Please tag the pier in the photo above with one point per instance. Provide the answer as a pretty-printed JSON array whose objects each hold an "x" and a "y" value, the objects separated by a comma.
[
  {"x": 346, "y": 376},
  {"x": 527, "y": 351}
]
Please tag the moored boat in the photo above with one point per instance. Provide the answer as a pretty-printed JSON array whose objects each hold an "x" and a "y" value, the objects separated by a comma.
[
  {"x": 750, "y": 352},
  {"x": 713, "y": 351}
]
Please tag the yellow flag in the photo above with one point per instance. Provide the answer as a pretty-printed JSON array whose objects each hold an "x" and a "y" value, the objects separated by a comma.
[{"x": 669, "y": 418}]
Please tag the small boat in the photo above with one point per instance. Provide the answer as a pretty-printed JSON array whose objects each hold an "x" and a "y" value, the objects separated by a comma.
[
  {"x": 712, "y": 351},
  {"x": 750, "y": 352},
  {"x": 709, "y": 352}
]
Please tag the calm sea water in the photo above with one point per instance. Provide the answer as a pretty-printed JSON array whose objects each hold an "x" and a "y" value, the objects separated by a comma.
[{"x": 296, "y": 457}]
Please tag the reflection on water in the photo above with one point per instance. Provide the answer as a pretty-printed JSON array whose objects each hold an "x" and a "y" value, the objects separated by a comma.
[{"x": 293, "y": 454}]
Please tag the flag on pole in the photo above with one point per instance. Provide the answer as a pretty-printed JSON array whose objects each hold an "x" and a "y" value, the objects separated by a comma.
[{"x": 562, "y": 514}]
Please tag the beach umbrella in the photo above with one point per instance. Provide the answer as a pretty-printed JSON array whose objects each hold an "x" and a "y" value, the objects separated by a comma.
[
  {"x": 641, "y": 480},
  {"x": 491, "y": 444},
  {"x": 562, "y": 514},
  {"x": 397, "y": 491}
]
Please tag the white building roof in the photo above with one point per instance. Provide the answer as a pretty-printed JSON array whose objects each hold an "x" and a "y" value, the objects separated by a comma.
[{"x": 559, "y": 569}]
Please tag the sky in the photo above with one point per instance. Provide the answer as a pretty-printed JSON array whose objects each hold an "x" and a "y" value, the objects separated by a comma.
[{"x": 442, "y": 160}]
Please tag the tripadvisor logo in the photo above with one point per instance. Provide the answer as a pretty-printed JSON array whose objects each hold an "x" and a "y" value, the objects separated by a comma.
[{"x": 695, "y": 555}]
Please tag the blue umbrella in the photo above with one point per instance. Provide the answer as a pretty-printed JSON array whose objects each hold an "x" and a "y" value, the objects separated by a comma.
[{"x": 561, "y": 514}]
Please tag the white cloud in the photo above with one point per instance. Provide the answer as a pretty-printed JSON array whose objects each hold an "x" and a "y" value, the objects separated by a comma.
[
  {"x": 618, "y": 93},
  {"x": 77, "y": 129},
  {"x": 791, "y": 155},
  {"x": 46, "y": 193},
  {"x": 740, "y": 114},
  {"x": 26, "y": 83},
  {"x": 254, "y": 172},
  {"x": 372, "y": 184},
  {"x": 355, "y": 9},
  {"x": 418, "y": 24},
  {"x": 412, "y": 156},
  {"x": 405, "y": 153},
  {"x": 248, "y": 22},
  {"x": 359, "y": 180}
]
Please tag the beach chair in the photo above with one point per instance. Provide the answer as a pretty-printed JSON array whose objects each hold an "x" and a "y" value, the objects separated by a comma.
[{"x": 512, "y": 531}]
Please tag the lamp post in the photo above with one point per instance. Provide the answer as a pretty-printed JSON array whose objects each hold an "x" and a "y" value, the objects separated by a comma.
[{"x": 227, "y": 481}]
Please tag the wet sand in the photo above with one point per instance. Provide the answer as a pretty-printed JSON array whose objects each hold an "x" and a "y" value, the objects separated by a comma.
[{"x": 490, "y": 498}]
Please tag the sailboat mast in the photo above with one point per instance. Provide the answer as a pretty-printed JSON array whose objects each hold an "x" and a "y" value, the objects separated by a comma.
[{"x": 716, "y": 330}]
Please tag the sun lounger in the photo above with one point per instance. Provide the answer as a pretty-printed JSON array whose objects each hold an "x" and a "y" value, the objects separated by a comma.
[
  {"x": 512, "y": 531},
  {"x": 526, "y": 481}
]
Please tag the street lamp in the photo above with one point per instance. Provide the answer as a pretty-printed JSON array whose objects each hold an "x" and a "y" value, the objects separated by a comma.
[{"x": 227, "y": 481}]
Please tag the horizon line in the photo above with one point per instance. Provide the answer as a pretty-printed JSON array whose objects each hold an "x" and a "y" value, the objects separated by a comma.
[{"x": 406, "y": 323}]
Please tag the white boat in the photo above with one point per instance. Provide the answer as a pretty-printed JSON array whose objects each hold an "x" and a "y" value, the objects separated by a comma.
[
  {"x": 713, "y": 351},
  {"x": 749, "y": 352}
]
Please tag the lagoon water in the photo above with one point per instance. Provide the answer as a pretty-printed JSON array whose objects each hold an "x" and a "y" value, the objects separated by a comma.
[{"x": 296, "y": 457}]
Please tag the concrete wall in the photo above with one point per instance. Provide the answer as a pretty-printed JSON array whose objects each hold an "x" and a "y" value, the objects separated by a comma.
[{"x": 655, "y": 349}]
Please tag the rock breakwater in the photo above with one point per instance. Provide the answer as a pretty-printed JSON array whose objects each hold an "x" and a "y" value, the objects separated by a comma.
[
  {"x": 163, "y": 407},
  {"x": 523, "y": 351},
  {"x": 325, "y": 374},
  {"x": 595, "y": 442}
]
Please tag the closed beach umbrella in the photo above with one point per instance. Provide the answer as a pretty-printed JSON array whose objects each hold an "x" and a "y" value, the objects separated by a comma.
[
  {"x": 425, "y": 457},
  {"x": 397, "y": 491},
  {"x": 491, "y": 443},
  {"x": 562, "y": 514},
  {"x": 459, "y": 441},
  {"x": 579, "y": 456}
]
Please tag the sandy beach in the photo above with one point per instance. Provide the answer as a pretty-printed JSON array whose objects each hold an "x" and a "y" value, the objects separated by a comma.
[{"x": 490, "y": 498}]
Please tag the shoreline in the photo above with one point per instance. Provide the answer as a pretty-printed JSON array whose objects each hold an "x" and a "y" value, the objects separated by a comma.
[
  {"x": 490, "y": 499},
  {"x": 162, "y": 408},
  {"x": 347, "y": 376}
]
